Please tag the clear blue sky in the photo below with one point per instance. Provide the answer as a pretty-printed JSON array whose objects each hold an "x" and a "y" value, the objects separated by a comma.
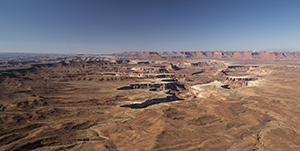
[{"x": 107, "y": 26}]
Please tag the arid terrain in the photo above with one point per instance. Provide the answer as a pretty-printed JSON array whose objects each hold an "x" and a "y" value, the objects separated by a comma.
[{"x": 163, "y": 101}]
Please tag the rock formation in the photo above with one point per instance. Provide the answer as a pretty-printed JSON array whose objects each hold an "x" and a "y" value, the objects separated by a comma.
[{"x": 150, "y": 55}]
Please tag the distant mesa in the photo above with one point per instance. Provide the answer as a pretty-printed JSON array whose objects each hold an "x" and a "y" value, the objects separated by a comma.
[
  {"x": 185, "y": 54},
  {"x": 169, "y": 53},
  {"x": 226, "y": 55},
  {"x": 151, "y": 55}
]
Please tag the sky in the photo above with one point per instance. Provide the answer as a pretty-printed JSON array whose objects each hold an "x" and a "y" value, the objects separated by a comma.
[{"x": 113, "y": 26}]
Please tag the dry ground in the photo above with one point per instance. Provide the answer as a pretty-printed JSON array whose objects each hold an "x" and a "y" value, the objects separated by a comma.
[{"x": 52, "y": 114}]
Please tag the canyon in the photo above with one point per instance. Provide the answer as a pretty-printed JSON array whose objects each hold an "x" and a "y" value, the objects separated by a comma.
[{"x": 152, "y": 101}]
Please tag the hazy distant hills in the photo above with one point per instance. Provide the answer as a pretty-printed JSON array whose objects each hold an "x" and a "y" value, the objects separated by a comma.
[
  {"x": 208, "y": 54},
  {"x": 19, "y": 54},
  {"x": 10, "y": 54}
]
